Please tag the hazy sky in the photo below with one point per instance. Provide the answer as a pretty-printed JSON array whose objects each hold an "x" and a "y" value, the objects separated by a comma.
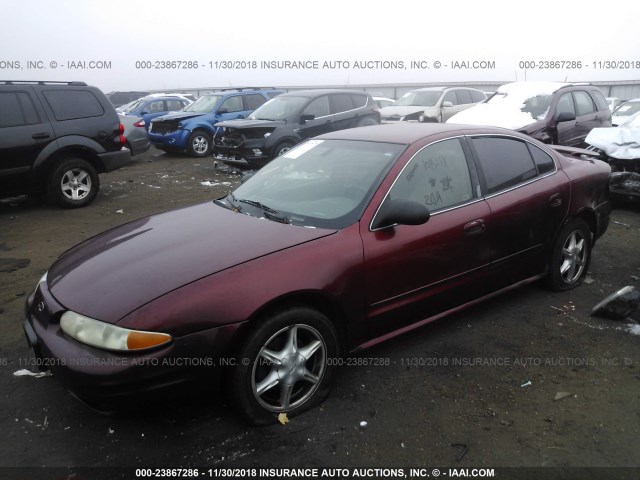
[{"x": 58, "y": 40}]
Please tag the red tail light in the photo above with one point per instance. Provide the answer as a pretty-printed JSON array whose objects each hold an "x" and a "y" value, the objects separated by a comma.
[
  {"x": 139, "y": 123},
  {"x": 123, "y": 140}
]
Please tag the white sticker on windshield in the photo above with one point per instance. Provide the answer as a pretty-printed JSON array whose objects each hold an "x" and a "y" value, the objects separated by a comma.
[{"x": 304, "y": 148}]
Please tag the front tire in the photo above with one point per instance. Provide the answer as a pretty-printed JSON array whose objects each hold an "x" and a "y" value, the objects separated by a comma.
[
  {"x": 281, "y": 149},
  {"x": 285, "y": 365},
  {"x": 73, "y": 183},
  {"x": 570, "y": 256},
  {"x": 199, "y": 144}
]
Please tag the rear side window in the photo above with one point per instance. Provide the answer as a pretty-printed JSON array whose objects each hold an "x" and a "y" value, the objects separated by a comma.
[
  {"x": 505, "y": 162},
  {"x": 584, "y": 104},
  {"x": 173, "y": 105},
  {"x": 73, "y": 104},
  {"x": 598, "y": 97},
  {"x": 464, "y": 97},
  {"x": 544, "y": 162},
  {"x": 17, "y": 109},
  {"x": 253, "y": 101},
  {"x": 359, "y": 101},
  {"x": 476, "y": 96},
  {"x": 341, "y": 102}
]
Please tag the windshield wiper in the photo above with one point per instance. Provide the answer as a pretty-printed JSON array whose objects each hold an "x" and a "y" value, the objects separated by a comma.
[{"x": 269, "y": 212}]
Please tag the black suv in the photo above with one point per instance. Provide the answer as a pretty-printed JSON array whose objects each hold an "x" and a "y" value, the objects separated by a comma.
[
  {"x": 55, "y": 137},
  {"x": 288, "y": 119}
]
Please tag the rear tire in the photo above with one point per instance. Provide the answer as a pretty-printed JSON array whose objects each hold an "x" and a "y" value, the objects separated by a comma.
[
  {"x": 285, "y": 365},
  {"x": 73, "y": 183},
  {"x": 570, "y": 256}
]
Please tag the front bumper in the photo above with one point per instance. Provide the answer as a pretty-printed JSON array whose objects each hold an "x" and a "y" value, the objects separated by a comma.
[
  {"x": 248, "y": 154},
  {"x": 108, "y": 380},
  {"x": 174, "y": 140}
]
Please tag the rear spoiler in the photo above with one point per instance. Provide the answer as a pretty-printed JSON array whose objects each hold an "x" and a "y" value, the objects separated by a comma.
[{"x": 574, "y": 151}]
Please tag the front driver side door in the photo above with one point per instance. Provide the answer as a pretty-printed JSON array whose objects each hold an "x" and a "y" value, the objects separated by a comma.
[{"x": 417, "y": 271}]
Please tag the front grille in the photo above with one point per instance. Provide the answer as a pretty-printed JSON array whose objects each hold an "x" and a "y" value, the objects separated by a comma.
[{"x": 163, "y": 127}]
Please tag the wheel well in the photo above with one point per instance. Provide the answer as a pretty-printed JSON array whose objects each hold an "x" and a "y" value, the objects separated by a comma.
[
  {"x": 315, "y": 300},
  {"x": 71, "y": 152},
  {"x": 591, "y": 219}
]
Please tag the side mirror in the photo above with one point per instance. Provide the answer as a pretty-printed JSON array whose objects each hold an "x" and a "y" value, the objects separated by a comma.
[
  {"x": 565, "y": 117},
  {"x": 305, "y": 118},
  {"x": 401, "y": 212},
  {"x": 447, "y": 104}
]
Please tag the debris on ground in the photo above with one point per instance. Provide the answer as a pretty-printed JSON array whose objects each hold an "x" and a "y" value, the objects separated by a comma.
[
  {"x": 561, "y": 395},
  {"x": 363, "y": 424},
  {"x": 464, "y": 451},
  {"x": 283, "y": 419},
  {"x": 565, "y": 310},
  {"x": 588, "y": 280},
  {"x": 526, "y": 384},
  {"x": 618, "y": 305},
  {"x": 8, "y": 265}
]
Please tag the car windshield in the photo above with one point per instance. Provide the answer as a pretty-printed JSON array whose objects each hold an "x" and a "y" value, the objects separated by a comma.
[
  {"x": 422, "y": 99},
  {"x": 204, "y": 104},
  {"x": 535, "y": 104},
  {"x": 627, "y": 109},
  {"x": 320, "y": 183},
  {"x": 279, "y": 108}
]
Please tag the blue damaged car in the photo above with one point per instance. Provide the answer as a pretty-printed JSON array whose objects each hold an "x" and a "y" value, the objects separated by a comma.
[{"x": 192, "y": 129}]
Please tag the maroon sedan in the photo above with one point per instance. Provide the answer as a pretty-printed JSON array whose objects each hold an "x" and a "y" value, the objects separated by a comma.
[{"x": 344, "y": 241}]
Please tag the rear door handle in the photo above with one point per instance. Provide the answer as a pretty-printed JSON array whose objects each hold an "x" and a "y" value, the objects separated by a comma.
[
  {"x": 40, "y": 136},
  {"x": 475, "y": 227},
  {"x": 555, "y": 200}
]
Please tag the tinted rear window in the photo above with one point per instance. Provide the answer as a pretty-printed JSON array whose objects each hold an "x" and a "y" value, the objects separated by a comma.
[
  {"x": 505, "y": 162},
  {"x": 359, "y": 101},
  {"x": 73, "y": 104},
  {"x": 341, "y": 102}
]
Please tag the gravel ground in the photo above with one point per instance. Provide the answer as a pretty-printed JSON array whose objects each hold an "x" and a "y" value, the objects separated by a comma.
[{"x": 526, "y": 379}]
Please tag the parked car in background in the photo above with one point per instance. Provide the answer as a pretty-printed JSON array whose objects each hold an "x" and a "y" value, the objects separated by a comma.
[
  {"x": 118, "y": 99},
  {"x": 555, "y": 113},
  {"x": 432, "y": 104},
  {"x": 192, "y": 129},
  {"x": 382, "y": 102},
  {"x": 288, "y": 119},
  {"x": 372, "y": 231},
  {"x": 135, "y": 134},
  {"x": 613, "y": 102},
  {"x": 154, "y": 105},
  {"x": 55, "y": 138},
  {"x": 625, "y": 111}
]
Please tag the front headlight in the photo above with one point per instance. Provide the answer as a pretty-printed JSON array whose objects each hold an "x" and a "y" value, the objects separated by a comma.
[{"x": 110, "y": 337}]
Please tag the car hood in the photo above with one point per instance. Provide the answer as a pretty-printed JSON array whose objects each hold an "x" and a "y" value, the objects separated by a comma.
[
  {"x": 251, "y": 123},
  {"x": 177, "y": 116},
  {"x": 403, "y": 110},
  {"x": 118, "y": 271},
  {"x": 495, "y": 116}
]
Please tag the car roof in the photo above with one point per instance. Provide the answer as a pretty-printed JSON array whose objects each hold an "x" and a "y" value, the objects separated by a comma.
[
  {"x": 318, "y": 92},
  {"x": 410, "y": 132}
]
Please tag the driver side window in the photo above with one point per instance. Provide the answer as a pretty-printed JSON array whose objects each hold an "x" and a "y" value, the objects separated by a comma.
[{"x": 437, "y": 177}]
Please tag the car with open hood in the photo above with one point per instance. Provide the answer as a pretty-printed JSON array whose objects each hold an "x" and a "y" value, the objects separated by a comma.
[
  {"x": 344, "y": 241},
  {"x": 555, "y": 113}
]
